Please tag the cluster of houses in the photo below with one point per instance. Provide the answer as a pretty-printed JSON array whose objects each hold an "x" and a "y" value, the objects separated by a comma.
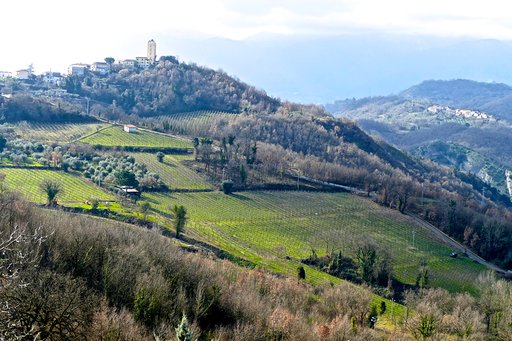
[
  {"x": 55, "y": 78},
  {"x": 103, "y": 68},
  {"x": 463, "y": 113},
  {"x": 79, "y": 69}
]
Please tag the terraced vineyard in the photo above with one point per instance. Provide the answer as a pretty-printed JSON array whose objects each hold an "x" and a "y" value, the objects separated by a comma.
[
  {"x": 116, "y": 136},
  {"x": 193, "y": 123},
  {"x": 62, "y": 133},
  {"x": 267, "y": 227},
  {"x": 173, "y": 172},
  {"x": 76, "y": 190}
]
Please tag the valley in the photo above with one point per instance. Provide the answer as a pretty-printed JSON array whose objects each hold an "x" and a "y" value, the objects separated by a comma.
[{"x": 280, "y": 191}]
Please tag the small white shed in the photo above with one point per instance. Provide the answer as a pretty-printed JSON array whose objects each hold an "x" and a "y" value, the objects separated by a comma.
[{"x": 130, "y": 128}]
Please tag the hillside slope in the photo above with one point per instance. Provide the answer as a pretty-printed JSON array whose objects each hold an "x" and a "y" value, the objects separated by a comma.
[
  {"x": 423, "y": 115},
  {"x": 261, "y": 141}
]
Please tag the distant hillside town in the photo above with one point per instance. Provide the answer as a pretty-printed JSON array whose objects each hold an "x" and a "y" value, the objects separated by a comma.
[{"x": 79, "y": 69}]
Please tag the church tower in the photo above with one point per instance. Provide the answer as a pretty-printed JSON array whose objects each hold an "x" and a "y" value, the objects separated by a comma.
[{"x": 152, "y": 51}]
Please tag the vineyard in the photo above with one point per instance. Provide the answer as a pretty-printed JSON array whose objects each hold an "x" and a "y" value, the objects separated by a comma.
[
  {"x": 76, "y": 190},
  {"x": 196, "y": 123},
  {"x": 116, "y": 136},
  {"x": 270, "y": 229},
  {"x": 277, "y": 229},
  {"x": 62, "y": 133},
  {"x": 173, "y": 173}
]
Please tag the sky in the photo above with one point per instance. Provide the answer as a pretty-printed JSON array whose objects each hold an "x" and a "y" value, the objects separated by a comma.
[{"x": 52, "y": 34}]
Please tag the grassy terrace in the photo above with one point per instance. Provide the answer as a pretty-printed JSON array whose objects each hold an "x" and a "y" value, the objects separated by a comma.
[
  {"x": 61, "y": 133},
  {"x": 76, "y": 190},
  {"x": 116, "y": 136},
  {"x": 265, "y": 227},
  {"x": 173, "y": 172}
]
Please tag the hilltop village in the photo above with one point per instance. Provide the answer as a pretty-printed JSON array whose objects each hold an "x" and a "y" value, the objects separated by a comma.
[{"x": 79, "y": 69}]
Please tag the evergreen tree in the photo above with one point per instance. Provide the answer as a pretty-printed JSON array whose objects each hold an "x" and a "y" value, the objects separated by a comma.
[
  {"x": 382, "y": 307},
  {"x": 367, "y": 257},
  {"x": 180, "y": 219},
  {"x": 3, "y": 142},
  {"x": 183, "y": 331},
  {"x": 243, "y": 174},
  {"x": 301, "y": 273},
  {"x": 422, "y": 279}
]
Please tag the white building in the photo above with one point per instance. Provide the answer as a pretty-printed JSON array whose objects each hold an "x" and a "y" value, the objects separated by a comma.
[
  {"x": 5, "y": 74},
  {"x": 130, "y": 128},
  {"x": 129, "y": 62},
  {"x": 54, "y": 78},
  {"x": 100, "y": 67},
  {"x": 77, "y": 69},
  {"x": 23, "y": 74},
  {"x": 143, "y": 62}
]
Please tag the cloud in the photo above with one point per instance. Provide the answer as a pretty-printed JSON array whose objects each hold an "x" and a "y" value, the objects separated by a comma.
[{"x": 57, "y": 30}]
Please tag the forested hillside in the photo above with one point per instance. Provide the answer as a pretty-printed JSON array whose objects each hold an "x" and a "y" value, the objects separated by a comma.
[
  {"x": 170, "y": 87},
  {"x": 257, "y": 140},
  {"x": 413, "y": 123}
]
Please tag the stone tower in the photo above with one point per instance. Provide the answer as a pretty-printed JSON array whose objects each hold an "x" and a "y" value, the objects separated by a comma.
[{"x": 152, "y": 51}]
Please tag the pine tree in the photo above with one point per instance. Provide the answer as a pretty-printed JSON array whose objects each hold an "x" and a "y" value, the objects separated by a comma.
[
  {"x": 180, "y": 219},
  {"x": 301, "y": 273},
  {"x": 183, "y": 331}
]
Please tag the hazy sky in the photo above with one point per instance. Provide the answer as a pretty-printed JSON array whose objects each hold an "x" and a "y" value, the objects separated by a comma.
[{"x": 53, "y": 33}]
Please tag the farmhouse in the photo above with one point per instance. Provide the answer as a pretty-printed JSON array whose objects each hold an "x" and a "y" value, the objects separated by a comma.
[
  {"x": 129, "y": 191},
  {"x": 130, "y": 128}
]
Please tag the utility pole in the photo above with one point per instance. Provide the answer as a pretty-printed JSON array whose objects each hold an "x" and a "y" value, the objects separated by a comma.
[
  {"x": 422, "y": 192},
  {"x": 87, "y": 105}
]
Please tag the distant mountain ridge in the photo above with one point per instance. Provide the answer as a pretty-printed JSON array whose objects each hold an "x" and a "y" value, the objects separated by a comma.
[
  {"x": 453, "y": 122},
  {"x": 316, "y": 69}
]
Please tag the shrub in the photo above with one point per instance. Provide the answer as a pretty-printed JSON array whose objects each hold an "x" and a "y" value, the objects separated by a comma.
[
  {"x": 160, "y": 156},
  {"x": 382, "y": 307},
  {"x": 227, "y": 186}
]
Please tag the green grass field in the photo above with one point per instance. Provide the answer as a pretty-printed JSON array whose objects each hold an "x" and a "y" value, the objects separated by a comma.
[
  {"x": 116, "y": 136},
  {"x": 265, "y": 227},
  {"x": 173, "y": 173},
  {"x": 62, "y": 133},
  {"x": 76, "y": 190}
]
